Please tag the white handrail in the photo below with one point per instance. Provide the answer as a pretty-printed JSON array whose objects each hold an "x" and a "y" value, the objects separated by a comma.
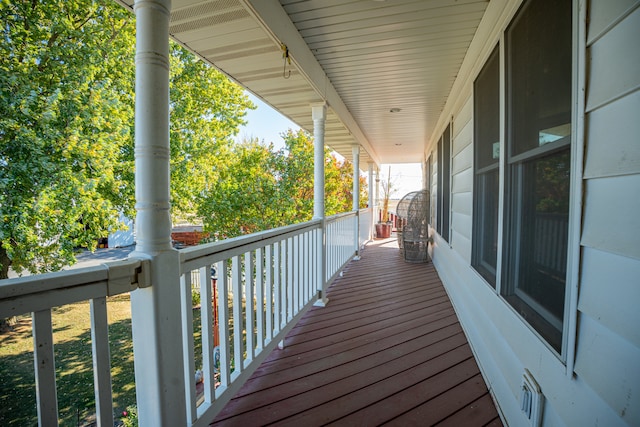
[
  {"x": 39, "y": 294},
  {"x": 265, "y": 282},
  {"x": 340, "y": 248},
  {"x": 365, "y": 218}
]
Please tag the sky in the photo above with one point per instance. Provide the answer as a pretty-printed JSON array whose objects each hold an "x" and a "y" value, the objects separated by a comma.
[{"x": 267, "y": 124}]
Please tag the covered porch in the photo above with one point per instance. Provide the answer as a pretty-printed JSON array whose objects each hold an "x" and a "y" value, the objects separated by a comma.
[
  {"x": 381, "y": 345},
  {"x": 388, "y": 349},
  {"x": 384, "y": 321}
]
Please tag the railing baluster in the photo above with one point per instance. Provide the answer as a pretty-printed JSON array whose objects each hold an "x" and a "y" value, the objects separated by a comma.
[
  {"x": 101, "y": 361},
  {"x": 277, "y": 298},
  {"x": 339, "y": 226},
  {"x": 295, "y": 283},
  {"x": 187, "y": 346},
  {"x": 290, "y": 279},
  {"x": 304, "y": 256},
  {"x": 276, "y": 274},
  {"x": 269, "y": 291},
  {"x": 223, "y": 322},
  {"x": 303, "y": 272},
  {"x": 284, "y": 279},
  {"x": 207, "y": 320},
  {"x": 249, "y": 306},
  {"x": 260, "y": 302},
  {"x": 45, "y": 370},
  {"x": 312, "y": 260},
  {"x": 238, "y": 347}
]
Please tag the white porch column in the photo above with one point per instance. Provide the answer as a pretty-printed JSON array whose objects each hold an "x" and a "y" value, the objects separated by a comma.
[
  {"x": 355, "y": 152},
  {"x": 372, "y": 203},
  {"x": 377, "y": 193},
  {"x": 155, "y": 310},
  {"x": 319, "y": 115}
]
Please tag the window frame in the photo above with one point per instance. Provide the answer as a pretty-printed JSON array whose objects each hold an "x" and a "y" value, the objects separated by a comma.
[
  {"x": 512, "y": 182},
  {"x": 482, "y": 172},
  {"x": 443, "y": 218}
]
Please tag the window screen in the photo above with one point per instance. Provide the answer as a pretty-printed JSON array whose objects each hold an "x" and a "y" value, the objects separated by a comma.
[
  {"x": 486, "y": 107},
  {"x": 538, "y": 53}
]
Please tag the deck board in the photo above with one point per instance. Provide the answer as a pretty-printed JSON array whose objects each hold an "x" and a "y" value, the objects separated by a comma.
[{"x": 387, "y": 349}]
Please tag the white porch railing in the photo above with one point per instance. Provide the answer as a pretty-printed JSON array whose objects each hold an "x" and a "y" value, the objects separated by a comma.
[
  {"x": 365, "y": 218},
  {"x": 265, "y": 283},
  {"x": 39, "y": 294},
  {"x": 340, "y": 246}
]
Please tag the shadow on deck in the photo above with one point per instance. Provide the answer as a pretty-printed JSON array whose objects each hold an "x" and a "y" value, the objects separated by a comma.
[{"x": 387, "y": 349}]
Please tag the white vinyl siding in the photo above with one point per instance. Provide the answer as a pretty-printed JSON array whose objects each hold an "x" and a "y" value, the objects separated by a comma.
[
  {"x": 607, "y": 223},
  {"x": 462, "y": 180},
  {"x": 618, "y": 124},
  {"x": 608, "y": 344},
  {"x": 615, "y": 61},
  {"x": 609, "y": 364},
  {"x": 461, "y": 203},
  {"x": 601, "y": 385},
  {"x": 604, "y": 14},
  {"x": 615, "y": 306},
  {"x": 462, "y": 160},
  {"x": 434, "y": 188}
]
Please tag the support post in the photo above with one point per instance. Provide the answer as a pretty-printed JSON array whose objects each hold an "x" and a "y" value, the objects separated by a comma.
[
  {"x": 371, "y": 190},
  {"x": 155, "y": 310},
  {"x": 355, "y": 152},
  {"x": 319, "y": 115},
  {"x": 377, "y": 193}
]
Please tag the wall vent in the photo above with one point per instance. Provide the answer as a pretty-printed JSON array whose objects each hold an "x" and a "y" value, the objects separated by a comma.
[{"x": 531, "y": 399}]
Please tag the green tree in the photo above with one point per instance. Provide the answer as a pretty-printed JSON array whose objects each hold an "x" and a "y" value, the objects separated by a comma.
[
  {"x": 243, "y": 198},
  {"x": 207, "y": 110},
  {"x": 339, "y": 185},
  {"x": 262, "y": 189},
  {"x": 62, "y": 127},
  {"x": 66, "y": 128}
]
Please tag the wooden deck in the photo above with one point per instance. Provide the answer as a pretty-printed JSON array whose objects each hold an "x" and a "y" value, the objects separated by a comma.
[{"x": 387, "y": 349}]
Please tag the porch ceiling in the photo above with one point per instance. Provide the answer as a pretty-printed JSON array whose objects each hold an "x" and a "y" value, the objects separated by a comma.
[{"x": 363, "y": 57}]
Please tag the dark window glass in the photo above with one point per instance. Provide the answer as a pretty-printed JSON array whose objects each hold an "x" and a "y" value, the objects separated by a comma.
[
  {"x": 486, "y": 157},
  {"x": 444, "y": 183},
  {"x": 538, "y": 154},
  {"x": 439, "y": 189}
]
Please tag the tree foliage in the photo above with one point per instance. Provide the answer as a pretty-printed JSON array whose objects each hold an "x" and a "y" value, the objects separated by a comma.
[
  {"x": 207, "y": 110},
  {"x": 262, "y": 189},
  {"x": 66, "y": 128},
  {"x": 66, "y": 140},
  {"x": 62, "y": 125}
]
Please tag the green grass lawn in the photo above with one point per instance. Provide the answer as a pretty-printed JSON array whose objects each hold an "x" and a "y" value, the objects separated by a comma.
[
  {"x": 74, "y": 370},
  {"x": 74, "y": 366}
]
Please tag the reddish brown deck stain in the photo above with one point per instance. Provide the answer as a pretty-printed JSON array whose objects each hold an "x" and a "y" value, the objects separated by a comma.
[{"x": 387, "y": 350}]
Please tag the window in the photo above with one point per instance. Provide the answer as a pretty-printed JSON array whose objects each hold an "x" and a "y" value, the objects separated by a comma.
[
  {"x": 486, "y": 110},
  {"x": 538, "y": 105},
  {"x": 432, "y": 192},
  {"x": 444, "y": 183}
]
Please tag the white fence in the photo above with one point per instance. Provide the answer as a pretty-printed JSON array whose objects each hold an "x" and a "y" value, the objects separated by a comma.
[{"x": 265, "y": 283}]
